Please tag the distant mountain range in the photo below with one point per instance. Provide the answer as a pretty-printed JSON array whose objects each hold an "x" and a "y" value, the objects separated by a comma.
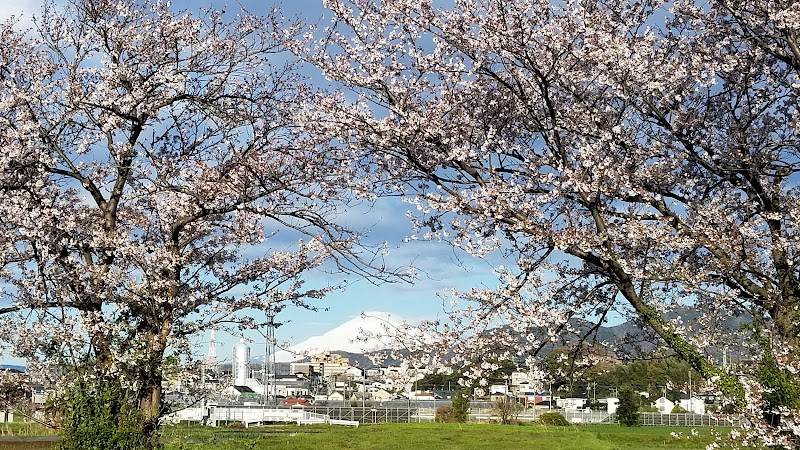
[
  {"x": 13, "y": 368},
  {"x": 348, "y": 339}
]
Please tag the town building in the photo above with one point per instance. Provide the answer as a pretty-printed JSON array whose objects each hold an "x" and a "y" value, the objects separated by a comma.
[
  {"x": 693, "y": 404},
  {"x": 664, "y": 405},
  {"x": 330, "y": 364}
]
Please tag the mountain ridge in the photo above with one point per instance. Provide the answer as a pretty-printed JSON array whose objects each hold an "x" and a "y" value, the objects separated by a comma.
[{"x": 348, "y": 339}]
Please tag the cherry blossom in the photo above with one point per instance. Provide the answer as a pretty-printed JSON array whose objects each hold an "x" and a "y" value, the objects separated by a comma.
[
  {"x": 628, "y": 159},
  {"x": 151, "y": 187}
]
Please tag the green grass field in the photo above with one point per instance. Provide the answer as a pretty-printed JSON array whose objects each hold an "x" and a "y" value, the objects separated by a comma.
[
  {"x": 435, "y": 437},
  {"x": 397, "y": 437}
]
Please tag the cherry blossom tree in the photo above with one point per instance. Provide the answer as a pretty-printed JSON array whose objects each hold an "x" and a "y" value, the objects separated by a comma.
[
  {"x": 151, "y": 188},
  {"x": 634, "y": 159}
]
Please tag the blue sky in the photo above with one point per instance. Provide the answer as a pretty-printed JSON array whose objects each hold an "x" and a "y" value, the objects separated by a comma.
[{"x": 439, "y": 267}]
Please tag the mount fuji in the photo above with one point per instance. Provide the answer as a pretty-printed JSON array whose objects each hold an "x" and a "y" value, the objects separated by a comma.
[{"x": 368, "y": 332}]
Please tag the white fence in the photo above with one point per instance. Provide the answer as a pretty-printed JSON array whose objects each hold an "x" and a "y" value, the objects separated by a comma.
[{"x": 214, "y": 415}]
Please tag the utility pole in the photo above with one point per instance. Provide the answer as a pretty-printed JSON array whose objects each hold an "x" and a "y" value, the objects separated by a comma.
[
  {"x": 203, "y": 392},
  {"x": 211, "y": 361},
  {"x": 268, "y": 373}
]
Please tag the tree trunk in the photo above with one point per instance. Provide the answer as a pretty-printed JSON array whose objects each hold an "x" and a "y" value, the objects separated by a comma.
[
  {"x": 786, "y": 314},
  {"x": 150, "y": 406},
  {"x": 150, "y": 403},
  {"x": 150, "y": 376}
]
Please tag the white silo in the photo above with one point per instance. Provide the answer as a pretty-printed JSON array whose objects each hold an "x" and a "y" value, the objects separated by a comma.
[{"x": 241, "y": 363}]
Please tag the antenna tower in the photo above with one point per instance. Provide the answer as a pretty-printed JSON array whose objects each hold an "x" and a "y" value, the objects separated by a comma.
[{"x": 211, "y": 358}]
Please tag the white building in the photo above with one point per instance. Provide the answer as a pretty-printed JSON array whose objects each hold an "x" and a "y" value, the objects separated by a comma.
[
  {"x": 336, "y": 396},
  {"x": 612, "y": 403},
  {"x": 380, "y": 395},
  {"x": 498, "y": 389},
  {"x": 375, "y": 372},
  {"x": 388, "y": 385},
  {"x": 330, "y": 364},
  {"x": 395, "y": 372},
  {"x": 355, "y": 373},
  {"x": 304, "y": 368},
  {"x": 421, "y": 395},
  {"x": 694, "y": 405},
  {"x": 289, "y": 386},
  {"x": 664, "y": 405},
  {"x": 571, "y": 403}
]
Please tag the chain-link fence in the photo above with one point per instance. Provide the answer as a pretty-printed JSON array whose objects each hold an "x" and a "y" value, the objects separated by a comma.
[
  {"x": 690, "y": 420},
  {"x": 375, "y": 415},
  {"x": 367, "y": 414}
]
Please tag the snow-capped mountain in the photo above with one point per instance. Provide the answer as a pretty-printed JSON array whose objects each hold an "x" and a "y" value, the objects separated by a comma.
[{"x": 357, "y": 335}]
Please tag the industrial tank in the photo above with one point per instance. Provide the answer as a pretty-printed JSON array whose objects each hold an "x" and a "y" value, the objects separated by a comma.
[{"x": 241, "y": 363}]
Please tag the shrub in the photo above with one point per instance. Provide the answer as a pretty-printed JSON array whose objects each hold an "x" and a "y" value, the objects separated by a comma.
[
  {"x": 103, "y": 416},
  {"x": 628, "y": 409},
  {"x": 781, "y": 389},
  {"x": 678, "y": 409},
  {"x": 553, "y": 419},
  {"x": 461, "y": 406},
  {"x": 507, "y": 409},
  {"x": 446, "y": 414},
  {"x": 597, "y": 406}
]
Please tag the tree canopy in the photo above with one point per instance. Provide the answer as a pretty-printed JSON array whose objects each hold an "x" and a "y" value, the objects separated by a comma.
[
  {"x": 627, "y": 158},
  {"x": 152, "y": 188}
]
